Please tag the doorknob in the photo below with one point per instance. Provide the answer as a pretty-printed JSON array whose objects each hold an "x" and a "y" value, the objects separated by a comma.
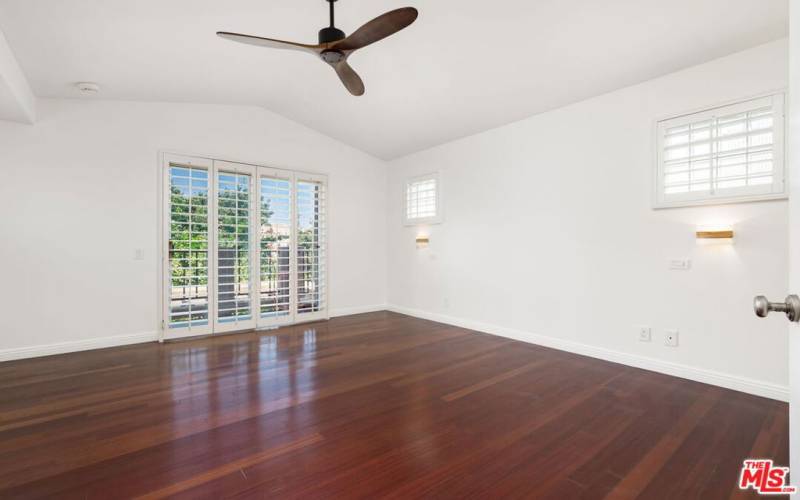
[{"x": 791, "y": 306}]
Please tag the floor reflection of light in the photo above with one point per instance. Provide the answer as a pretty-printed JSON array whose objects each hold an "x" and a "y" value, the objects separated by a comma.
[
  {"x": 215, "y": 380},
  {"x": 218, "y": 378},
  {"x": 188, "y": 394},
  {"x": 268, "y": 347},
  {"x": 310, "y": 340}
]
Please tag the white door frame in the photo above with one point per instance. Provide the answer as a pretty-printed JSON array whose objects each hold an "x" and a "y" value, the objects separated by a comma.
[
  {"x": 324, "y": 313},
  {"x": 221, "y": 166},
  {"x": 197, "y": 162},
  {"x": 793, "y": 170}
]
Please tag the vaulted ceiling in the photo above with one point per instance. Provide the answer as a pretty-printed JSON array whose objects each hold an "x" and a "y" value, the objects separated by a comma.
[{"x": 465, "y": 66}]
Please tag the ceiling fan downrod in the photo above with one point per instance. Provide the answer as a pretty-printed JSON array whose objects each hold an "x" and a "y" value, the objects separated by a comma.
[{"x": 331, "y": 33}]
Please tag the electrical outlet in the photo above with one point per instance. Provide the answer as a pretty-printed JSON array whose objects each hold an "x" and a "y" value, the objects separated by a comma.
[
  {"x": 644, "y": 333},
  {"x": 138, "y": 254},
  {"x": 671, "y": 338}
]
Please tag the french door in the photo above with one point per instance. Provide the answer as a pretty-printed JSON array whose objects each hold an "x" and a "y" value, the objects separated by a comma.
[{"x": 244, "y": 246}]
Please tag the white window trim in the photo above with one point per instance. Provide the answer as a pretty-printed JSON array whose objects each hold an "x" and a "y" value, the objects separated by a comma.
[
  {"x": 418, "y": 221},
  {"x": 778, "y": 190}
]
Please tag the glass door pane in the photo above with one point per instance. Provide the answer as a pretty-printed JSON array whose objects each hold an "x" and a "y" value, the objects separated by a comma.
[
  {"x": 188, "y": 248},
  {"x": 233, "y": 253},
  {"x": 311, "y": 249},
  {"x": 275, "y": 237}
]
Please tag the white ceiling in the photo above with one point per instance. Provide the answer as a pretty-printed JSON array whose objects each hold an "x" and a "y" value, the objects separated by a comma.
[{"x": 465, "y": 66}]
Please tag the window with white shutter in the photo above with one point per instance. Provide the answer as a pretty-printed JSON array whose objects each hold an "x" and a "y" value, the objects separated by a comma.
[
  {"x": 244, "y": 246},
  {"x": 275, "y": 237},
  {"x": 422, "y": 200},
  {"x": 722, "y": 155},
  {"x": 188, "y": 247},
  {"x": 234, "y": 213},
  {"x": 311, "y": 232}
]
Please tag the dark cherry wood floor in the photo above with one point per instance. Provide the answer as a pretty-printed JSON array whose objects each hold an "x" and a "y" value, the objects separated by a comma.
[{"x": 367, "y": 406}]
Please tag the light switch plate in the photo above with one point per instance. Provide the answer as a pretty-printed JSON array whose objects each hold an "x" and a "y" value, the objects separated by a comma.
[{"x": 680, "y": 264}]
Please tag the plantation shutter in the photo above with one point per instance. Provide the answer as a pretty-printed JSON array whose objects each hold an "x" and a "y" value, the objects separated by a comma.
[
  {"x": 723, "y": 154},
  {"x": 421, "y": 199},
  {"x": 244, "y": 246},
  {"x": 275, "y": 245},
  {"x": 311, "y": 246},
  {"x": 233, "y": 256},
  {"x": 187, "y": 303}
]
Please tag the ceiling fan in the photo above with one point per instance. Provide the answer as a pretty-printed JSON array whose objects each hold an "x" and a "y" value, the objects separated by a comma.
[{"x": 334, "y": 47}]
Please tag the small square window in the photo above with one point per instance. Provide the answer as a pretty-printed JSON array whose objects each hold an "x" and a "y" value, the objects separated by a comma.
[{"x": 422, "y": 200}]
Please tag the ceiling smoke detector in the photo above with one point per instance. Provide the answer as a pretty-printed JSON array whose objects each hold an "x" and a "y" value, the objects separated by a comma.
[{"x": 88, "y": 88}]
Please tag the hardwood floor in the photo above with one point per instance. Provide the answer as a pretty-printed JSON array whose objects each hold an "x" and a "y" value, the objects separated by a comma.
[{"x": 373, "y": 405}]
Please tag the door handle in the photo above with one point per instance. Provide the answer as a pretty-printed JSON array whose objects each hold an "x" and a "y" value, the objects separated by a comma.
[{"x": 791, "y": 306}]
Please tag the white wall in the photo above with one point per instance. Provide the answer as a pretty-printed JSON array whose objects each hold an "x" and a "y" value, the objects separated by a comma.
[
  {"x": 549, "y": 236},
  {"x": 548, "y": 233},
  {"x": 17, "y": 102},
  {"x": 79, "y": 194}
]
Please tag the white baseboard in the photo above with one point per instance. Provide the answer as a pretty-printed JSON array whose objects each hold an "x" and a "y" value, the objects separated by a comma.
[
  {"x": 135, "y": 338},
  {"x": 347, "y": 311},
  {"x": 726, "y": 380},
  {"x": 76, "y": 345}
]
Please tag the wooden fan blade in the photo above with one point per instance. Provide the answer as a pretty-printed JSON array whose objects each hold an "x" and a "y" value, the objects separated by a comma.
[
  {"x": 349, "y": 78},
  {"x": 378, "y": 29},
  {"x": 267, "y": 42}
]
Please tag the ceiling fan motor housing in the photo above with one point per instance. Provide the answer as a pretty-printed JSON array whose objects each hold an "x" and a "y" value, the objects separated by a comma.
[{"x": 330, "y": 35}]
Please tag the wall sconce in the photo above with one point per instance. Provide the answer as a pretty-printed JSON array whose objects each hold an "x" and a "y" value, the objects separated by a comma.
[
  {"x": 422, "y": 242},
  {"x": 718, "y": 234}
]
